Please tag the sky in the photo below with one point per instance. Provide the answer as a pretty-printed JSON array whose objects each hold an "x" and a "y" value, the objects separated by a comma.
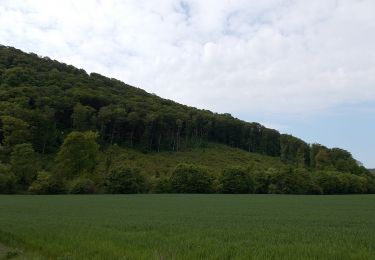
[{"x": 305, "y": 68}]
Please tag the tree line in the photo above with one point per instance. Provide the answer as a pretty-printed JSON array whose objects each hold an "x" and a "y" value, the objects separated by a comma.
[{"x": 75, "y": 162}]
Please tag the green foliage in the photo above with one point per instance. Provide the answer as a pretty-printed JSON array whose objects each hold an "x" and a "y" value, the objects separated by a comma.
[
  {"x": 7, "y": 179},
  {"x": 24, "y": 164},
  {"x": 323, "y": 159},
  {"x": 328, "y": 181},
  {"x": 263, "y": 179},
  {"x": 237, "y": 180},
  {"x": 188, "y": 178},
  {"x": 125, "y": 180},
  {"x": 163, "y": 185},
  {"x": 370, "y": 184},
  {"x": 82, "y": 186},
  {"x": 343, "y": 183},
  {"x": 291, "y": 181},
  {"x": 84, "y": 117},
  {"x": 50, "y": 105},
  {"x": 13, "y": 131},
  {"x": 46, "y": 183},
  {"x": 269, "y": 174},
  {"x": 111, "y": 118},
  {"x": 294, "y": 150},
  {"x": 120, "y": 113},
  {"x": 17, "y": 76},
  {"x": 77, "y": 154}
]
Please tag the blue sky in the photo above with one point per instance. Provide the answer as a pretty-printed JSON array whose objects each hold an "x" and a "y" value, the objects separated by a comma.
[
  {"x": 303, "y": 67},
  {"x": 349, "y": 126}
]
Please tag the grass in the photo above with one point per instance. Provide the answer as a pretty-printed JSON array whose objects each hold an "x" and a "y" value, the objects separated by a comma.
[{"x": 190, "y": 226}]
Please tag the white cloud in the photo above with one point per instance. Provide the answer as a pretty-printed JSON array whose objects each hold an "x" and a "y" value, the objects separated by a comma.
[{"x": 240, "y": 56}]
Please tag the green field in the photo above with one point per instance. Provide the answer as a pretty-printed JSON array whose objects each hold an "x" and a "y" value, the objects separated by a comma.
[{"x": 188, "y": 227}]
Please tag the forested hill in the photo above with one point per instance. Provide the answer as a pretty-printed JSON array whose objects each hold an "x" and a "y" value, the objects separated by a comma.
[
  {"x": 42, "y": 101},
  {"x": 68, "y": 98},
  {"x": 52, "y": 99}
]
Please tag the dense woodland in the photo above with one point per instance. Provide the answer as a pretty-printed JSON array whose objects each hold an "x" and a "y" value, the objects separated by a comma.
[{"x": 57, "y": 121}]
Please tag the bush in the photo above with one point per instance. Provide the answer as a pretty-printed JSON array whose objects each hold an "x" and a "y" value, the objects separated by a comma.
[
  {"x": 292, "y": 181},
  {"x": 82, "y": 186},
  {"x": 350, "y": 183},
  {"x": 163, "y": 185},
  {"x": 262, "y": 180},
  {"x": 370, "y": 184},
  {"x": 237, "y": 180},
  {"x": 188, "y": 178},
  {"x": 24, "y": 164},
  {"x": 125, "y": 180},
  {"x": 7, "y": 179},
  {"x": 46, "y": 183},
  {"x": 78, "y": 154}
]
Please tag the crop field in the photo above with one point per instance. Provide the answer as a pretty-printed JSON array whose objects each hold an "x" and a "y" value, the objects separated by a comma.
[{"x": 187, "y": 227}]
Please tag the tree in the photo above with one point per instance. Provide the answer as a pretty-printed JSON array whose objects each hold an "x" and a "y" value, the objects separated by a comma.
[
  {"x": 125, "y": 180},
  {"x": 43, "y": 129},
  {"x": 82, "y": 186},
  {"x": 188, "y": 178},
  {"x": 78, "y": 154},
  {"x": 263, "y": 179},
  {"x": 13, "y": 131},
  {"x": 292, "y": 181},
  {"x": 294, "y": 150},
  {"x": 322, "y": 159},
  {"x": 110, "y": 119},
  {"x": 7, "y": 179},
  {"x": 18, "y": 75},
  {"x": 24, "y": 164},
  {"x": 46, "y": 183},
  {"x": 84, "y": 117},
  {"x": 237, "y": 180},
  {"x": 328, "y": 181},
  {"x": 133, "y": 120},
  {"x": 163, "y": 185}
]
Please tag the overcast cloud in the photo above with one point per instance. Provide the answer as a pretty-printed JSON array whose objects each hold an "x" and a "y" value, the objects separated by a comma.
[{"x": 291, "y": 57}]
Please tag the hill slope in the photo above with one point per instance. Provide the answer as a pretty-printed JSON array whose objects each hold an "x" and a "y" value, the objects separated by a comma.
[{"x": 44, "y": 102}]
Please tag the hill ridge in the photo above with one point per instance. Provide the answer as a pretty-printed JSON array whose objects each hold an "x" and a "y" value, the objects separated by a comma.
[{"x": 45, "y": 106}]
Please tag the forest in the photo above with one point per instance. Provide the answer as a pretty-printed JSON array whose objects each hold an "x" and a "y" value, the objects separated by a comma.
[{"x": 58, "y": 123}]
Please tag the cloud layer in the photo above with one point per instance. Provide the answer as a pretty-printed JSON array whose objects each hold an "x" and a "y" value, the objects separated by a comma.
[{"x": 244, "y": 57}]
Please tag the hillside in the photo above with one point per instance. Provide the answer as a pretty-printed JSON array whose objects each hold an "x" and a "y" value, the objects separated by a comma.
[
  {"x": 59, "y": 123},
  {"x": 214, "y": 157}
]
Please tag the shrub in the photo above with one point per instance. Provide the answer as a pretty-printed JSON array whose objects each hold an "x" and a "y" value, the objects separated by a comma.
[
  {"x": 237, "y": 180},
  {"x": 163, "y": 185},
  {"x": 328, "y": 181},
  {"x": 24, "y": 164},
  {"x": 125, "y": 180},
  {"x": 77, "y": 154},
  {"x": 82, "y": 186},
  {"x": 350, "y": 183},
  {"x": 188, "y": 178},
  {"x": 292, "y": 181},
  {"x": 7, "y": 179},
  {"x": 262, "y": 179},
  {"x": 370, "y": 184},
  {"x": 46, "y": 183}
]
